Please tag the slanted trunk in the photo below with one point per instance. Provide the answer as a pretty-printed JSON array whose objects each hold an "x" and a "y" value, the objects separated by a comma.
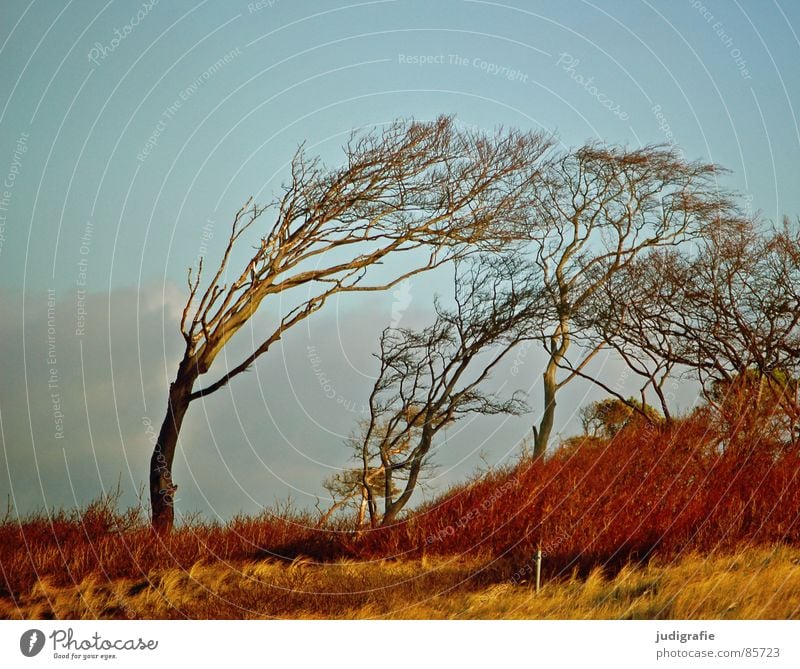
[
  {"x": 162, "y": 487},
  {"x": 394, "y": 507},
  {"x": 541, "y": 435},
  {"x": 362, "y": 508}
]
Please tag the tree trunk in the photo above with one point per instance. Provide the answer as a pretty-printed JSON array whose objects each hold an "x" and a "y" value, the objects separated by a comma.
[
  {"x": 391, "y": 514},
  {"x": 393, "y": 508},
  {"x": 162, "y": 488},
  {"x": 541, "y": 435},
  {"x": 362, "y": 508}
]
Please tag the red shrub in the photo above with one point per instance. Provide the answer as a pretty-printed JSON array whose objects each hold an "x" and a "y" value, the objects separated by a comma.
[{"x": 649, "y": 490}]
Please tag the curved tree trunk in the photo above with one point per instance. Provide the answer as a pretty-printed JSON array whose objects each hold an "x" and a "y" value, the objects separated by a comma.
[
  {"x": 162, "y": 488},
  {"x": 394, "y": 507},
  {"x": 541, "y": 435}
]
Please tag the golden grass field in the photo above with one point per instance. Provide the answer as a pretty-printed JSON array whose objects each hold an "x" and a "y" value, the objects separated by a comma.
[{"x": 762, "y": 583}]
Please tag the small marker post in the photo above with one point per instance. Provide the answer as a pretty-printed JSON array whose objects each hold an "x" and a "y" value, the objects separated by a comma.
[{"x": 538, "y": 568}]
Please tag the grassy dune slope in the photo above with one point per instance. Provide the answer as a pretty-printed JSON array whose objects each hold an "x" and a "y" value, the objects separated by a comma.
[{"x": 652, "y": 508}]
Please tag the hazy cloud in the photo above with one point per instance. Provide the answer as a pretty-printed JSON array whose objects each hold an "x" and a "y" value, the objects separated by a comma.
[{"x": 80, "y": 409}]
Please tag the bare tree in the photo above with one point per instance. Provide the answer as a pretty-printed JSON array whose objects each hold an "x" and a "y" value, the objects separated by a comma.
[
  {"x": 430, "y": 379},
  {"x": 593, "y": 212},
  {"x": 728, "y": 314},
  {"x": 619, "y": 314},
  {"x": 427, "y": 190},
  {"x": 346, "y": 488},
  {"x": 355, "y": 487}
]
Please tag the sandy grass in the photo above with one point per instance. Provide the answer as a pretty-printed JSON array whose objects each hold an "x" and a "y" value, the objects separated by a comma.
[{"x": 752, "y": 584}]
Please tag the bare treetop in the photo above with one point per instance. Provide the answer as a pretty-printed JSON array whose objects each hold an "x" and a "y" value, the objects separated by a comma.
[
  {"x": 594, "y": 211},
  {"x": 731, "y": 308},
  {"x": 598, "y": 207},
  {"x": 418, "y": 186},
  {"x": 429, "y": 191}
]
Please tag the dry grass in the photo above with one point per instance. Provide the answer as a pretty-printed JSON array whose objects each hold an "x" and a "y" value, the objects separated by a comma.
[{"x": 752, "y": 584}]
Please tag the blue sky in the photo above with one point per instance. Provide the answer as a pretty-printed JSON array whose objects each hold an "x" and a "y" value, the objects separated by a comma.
[{"x": 124, "y": 159}]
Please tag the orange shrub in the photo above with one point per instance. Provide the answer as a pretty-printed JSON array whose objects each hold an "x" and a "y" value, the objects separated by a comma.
[{"x": 665, "y": 490}]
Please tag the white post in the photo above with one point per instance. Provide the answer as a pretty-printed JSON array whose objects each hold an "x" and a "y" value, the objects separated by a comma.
[{"x": 538, "y": 569}]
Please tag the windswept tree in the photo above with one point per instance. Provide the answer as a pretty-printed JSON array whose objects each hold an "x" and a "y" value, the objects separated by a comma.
[
  {"x": 592, "y": 213},
  {"x": 605, "y": 418},
  {"x": 347, "y": 489},
  {"x": 356, "y": 486},
  {"x": 427, "y": 190},
  {"x": 621, "y": 312},
  {"x": 434, "y": 377},
  {"x": 727, "y": 315}
]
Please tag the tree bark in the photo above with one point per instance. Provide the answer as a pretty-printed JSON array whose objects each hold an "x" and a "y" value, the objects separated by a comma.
[
  {"x": 541, "y": 435},
  {"x": 162, "y": 487},
  {"x": 362, "y": 509},
  {"x": 393, "y": 508}
]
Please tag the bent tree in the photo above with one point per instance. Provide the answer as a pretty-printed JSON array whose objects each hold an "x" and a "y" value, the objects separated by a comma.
[
  {"x": 593, "y": 212},
  {"x": 729, "y": 316},
  {"x": 427, "y": 190},
  {"x": 432, "y": 378},
  {"x": 361, "y": 485}
]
